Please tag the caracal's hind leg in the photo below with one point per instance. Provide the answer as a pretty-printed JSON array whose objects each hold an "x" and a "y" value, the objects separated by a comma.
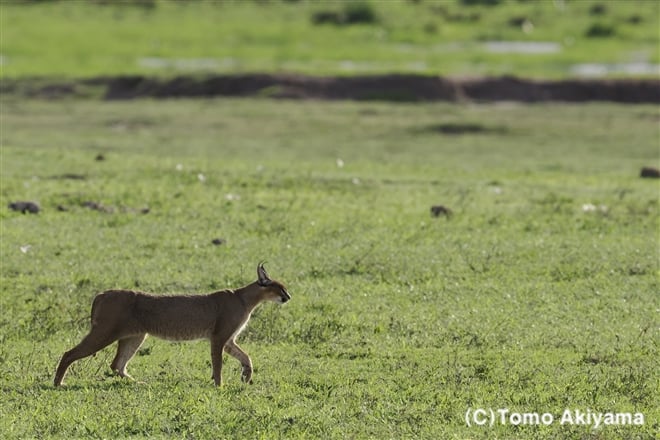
[
  {"x": 90, "y": 344},
  {"x": 126, "y": 349}
]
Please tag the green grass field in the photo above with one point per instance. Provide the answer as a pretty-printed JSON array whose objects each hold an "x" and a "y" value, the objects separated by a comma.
[
  {"x": 82, "y": 39},
  {"x": 539, "y": 294}
]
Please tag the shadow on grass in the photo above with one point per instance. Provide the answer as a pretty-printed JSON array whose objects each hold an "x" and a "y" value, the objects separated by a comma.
[
  {"x": 460, "y": 128},
  {"x": 105, "y": 384}
]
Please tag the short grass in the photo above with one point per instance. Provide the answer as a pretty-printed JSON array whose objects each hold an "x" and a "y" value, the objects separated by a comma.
[
  {"x": 539, "y": 294},
  {"x": 87, "y": 38}
]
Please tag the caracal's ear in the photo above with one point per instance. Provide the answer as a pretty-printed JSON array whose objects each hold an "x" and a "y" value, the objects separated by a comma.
[{"x": 264, "y": 279}]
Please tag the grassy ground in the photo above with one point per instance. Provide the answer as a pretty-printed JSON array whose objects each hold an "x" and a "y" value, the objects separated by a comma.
[
  {"x": 76, "y": 38},
  {"x": 539, "y": 294}
]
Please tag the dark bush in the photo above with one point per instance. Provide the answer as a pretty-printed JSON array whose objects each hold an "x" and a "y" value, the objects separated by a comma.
[
  {"x": 650, "y": 172},
  {"x": 517, "y": 21},
  {"x": 431, "y": 28},
  {"x": 465, "y": 17},
  {"x": 352, "y": 13},
  {"x": 598, "y": 9},
  {"x": 481, "y": 2},
  {"x": 327, "y": 17},
  {"x": 146, "y": 4},
  {"x": 598, "y": 30},
  {"x": 359, "y": 12}
]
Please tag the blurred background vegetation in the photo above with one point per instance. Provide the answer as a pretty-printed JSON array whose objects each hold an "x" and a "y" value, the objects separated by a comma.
[{"x": 544, "y": 39}]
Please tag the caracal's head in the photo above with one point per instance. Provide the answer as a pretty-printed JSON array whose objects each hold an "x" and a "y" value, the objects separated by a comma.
[{"x": 272, "y": 290}]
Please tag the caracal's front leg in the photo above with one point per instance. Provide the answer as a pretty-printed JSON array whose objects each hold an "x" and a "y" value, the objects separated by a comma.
[{"x": 235, "y": 351}]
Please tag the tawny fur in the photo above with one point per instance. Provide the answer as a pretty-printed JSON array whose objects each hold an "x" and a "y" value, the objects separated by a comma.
[{"x": 128, "y": 317}]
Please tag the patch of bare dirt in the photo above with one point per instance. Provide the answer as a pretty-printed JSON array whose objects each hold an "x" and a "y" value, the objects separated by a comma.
[{"x": 407, "y": 88}]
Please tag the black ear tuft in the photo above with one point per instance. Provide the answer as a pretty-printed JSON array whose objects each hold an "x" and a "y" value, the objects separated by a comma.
[{"x": 263, "y": 278}]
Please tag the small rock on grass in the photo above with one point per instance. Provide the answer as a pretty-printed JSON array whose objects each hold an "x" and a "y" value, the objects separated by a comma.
[
  {"x": 25, "y": 207},
  {"x": 440, "y": 210}
]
